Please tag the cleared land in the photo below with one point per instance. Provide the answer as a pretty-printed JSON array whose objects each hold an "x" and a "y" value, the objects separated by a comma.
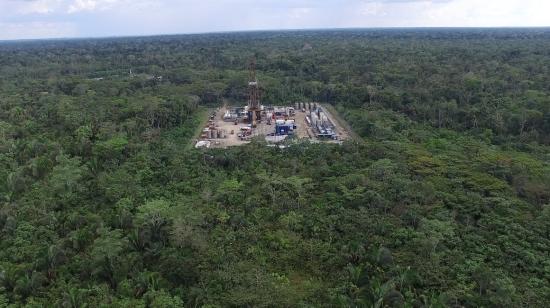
[{"x": 303, "y": 131}]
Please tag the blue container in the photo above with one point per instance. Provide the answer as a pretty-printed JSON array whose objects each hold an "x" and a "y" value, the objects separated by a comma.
[{"x": 283, "y": 129}]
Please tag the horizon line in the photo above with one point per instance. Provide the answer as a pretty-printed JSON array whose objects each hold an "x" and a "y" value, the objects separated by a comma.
[{"x": 100, "y": 37}]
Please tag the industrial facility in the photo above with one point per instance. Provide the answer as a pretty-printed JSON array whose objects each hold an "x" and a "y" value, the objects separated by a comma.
[
  {"x": 321, "y": 124},
  {"x": 237, "y": 125}
]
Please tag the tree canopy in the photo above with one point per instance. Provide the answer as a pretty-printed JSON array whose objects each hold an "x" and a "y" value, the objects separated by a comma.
[{"x": 443, "y": 199}]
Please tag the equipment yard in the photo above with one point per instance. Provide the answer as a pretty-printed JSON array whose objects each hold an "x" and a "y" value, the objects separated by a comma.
[
  {"x": 233, "y": 126},
  {"x": 229, "y": 126}
]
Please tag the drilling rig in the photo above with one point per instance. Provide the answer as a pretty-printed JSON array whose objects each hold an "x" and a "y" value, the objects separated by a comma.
[{"x": 254, "y": 108}]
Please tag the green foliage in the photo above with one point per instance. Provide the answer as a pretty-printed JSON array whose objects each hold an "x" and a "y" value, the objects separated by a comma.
[{"x": 444, "y": 199}]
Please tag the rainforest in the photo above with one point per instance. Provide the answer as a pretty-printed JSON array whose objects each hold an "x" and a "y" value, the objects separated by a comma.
[{"x": 441, "y": 199}]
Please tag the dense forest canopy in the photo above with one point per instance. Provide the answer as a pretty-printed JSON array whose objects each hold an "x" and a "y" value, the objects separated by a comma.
[{"x": 443, "y": 201}]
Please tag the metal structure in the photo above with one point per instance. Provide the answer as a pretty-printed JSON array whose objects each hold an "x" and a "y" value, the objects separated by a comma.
[
  {"x": 254, "y": 108},
  {"x": 321, "y": 123}
]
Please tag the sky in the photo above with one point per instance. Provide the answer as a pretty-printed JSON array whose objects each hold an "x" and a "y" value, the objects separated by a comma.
[{"x": 32, "y": 19}]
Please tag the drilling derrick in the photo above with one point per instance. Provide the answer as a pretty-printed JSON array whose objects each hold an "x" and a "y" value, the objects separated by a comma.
[{"x": 254, "y": 108}]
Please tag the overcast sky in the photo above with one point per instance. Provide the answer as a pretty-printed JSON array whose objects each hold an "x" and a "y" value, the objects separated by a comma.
[{"x": 24, "y": 19}]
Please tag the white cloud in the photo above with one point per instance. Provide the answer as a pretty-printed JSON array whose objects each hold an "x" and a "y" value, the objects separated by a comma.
[
  {"x": 135, "y": 17},
  {"x": 25, "y": 7},
  {"x": 475, "y": 13},
  {"x": 39, "y": 6},
  {"x": 453, "y": 13},
  {"x": 35, "y": 30},
  {"x": 91, "y": 5},
  {"x": 300, "y": 12},
  {"x": 373, "y": 9}
]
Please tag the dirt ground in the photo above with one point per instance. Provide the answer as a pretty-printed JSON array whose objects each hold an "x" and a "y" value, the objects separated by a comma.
[
  {"x": 231, "y": 131},
  {"x": 303, "y": 130}
]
